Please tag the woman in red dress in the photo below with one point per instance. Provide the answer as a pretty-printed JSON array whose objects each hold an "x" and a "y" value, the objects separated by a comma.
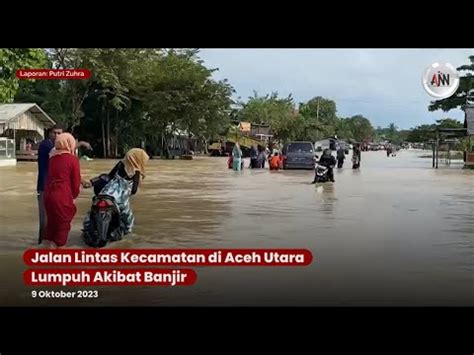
[{"x": 62, "y": 188}]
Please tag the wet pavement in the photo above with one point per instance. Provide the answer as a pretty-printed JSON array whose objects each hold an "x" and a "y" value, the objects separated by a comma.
[{"x": 395, "y": 232}]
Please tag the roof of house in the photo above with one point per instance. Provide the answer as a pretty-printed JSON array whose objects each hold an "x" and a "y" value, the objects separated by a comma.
[
  {"x": 245, "y": 126},
  {"x": 9, "y": 112}
]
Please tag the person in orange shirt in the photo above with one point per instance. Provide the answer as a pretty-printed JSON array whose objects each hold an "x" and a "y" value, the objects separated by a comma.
[{"x": 275, "y": 161}]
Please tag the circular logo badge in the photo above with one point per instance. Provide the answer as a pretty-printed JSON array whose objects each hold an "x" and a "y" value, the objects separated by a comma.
[{"x": 441, "y": 80}]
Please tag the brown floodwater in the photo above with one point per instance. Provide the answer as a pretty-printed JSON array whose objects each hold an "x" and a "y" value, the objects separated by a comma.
[{"x": 396, "y": 232}]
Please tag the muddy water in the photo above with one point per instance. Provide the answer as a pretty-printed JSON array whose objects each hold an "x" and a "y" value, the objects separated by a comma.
[{"x": 394, "y": 233}]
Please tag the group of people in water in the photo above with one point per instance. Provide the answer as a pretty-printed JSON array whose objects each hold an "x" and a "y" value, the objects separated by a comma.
[
  {"x": 329, "y": 161},
  {"x": 59, "y": 184},
  {"x": 258, "y": 156},
  {"x": 341, "y": 156}
]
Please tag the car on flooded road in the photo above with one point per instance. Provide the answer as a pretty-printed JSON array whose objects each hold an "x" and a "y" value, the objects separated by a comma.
[{"x": 298, "y": 155}]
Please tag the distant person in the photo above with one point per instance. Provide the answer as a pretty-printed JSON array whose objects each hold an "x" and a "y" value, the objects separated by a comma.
[
  {"x": 61, "y": 190},
  {"x": 44, "y": 149},
  {"x": 341, "y": 155},
  {"x": 80, "y": 145},
  {"x": 261, "y": 158},
  {"x": 253, "y": 157},
  {"x": 267, "y": 156},
  {"x": 237, "y": 157},
  {"x": 356, "y": 157},
  {"x": 275, "y": 161}
]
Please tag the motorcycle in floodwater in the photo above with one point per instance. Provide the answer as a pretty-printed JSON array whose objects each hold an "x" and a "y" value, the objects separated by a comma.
[
  {"x": 104, "y": 217},
  {"x": 355, "y": 162},
  {"x": 321, "y": 174}
]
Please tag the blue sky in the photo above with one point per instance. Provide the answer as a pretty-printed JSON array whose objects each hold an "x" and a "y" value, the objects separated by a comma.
[{"x": 384, "y": 85}]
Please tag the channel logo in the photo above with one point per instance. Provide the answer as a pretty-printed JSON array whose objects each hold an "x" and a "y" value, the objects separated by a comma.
[{"x": 440, "y": 80}]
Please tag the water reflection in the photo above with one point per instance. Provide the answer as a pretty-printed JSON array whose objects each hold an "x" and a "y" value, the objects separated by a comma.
[{"x": 325, "y": 194}]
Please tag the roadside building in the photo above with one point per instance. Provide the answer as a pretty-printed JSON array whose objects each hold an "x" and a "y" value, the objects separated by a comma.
[{"x": 22, "y": 127}]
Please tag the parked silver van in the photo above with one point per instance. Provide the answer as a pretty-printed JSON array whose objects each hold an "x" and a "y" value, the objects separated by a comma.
[{"x": 298, "y": 155}]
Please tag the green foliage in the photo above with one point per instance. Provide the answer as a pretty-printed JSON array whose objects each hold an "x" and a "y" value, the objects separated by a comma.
[
  {"x": 344, "y": 129},
  {"x": 427, "y": 132},
  {"x": 266, "y": 109},
  {"x": 320, "y": 118},
  {"x": 178, "y": 92},
  {"x": 422, "y": 133},
  {"x": 277, "y": 112},
  {"x": 449, "y": 123},
  {"x": 47, "y": 94},
  {"x": 134, "y": 96},
  {"x": 13, "y": 59},
  {"x": 361, "y": 128},
  {"x": 391, "y": 134},
  {"x": 315, "y": 120}
]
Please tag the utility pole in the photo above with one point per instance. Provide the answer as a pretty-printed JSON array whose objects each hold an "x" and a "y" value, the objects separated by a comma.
[
  {"x": 317, "y": 121},
  {"x": 434, "y": 153},
  {"x": 317, "y": 111},
  {"x": 437, "y": 148}
]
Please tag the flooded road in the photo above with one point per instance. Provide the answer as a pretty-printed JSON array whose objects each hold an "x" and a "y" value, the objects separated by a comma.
[{"x": 394, "y": 233}]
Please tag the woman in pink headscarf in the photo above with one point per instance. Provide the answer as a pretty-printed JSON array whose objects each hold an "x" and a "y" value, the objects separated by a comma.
[{"x": 62, "y": 188}]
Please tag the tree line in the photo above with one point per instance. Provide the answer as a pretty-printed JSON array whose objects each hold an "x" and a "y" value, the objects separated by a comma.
[
  {"x": 141, "y": 96},
  {"x": 310, "y": 121},
  {"x": 317, "y": 119},
  {"x": 135, "y": 97}
]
